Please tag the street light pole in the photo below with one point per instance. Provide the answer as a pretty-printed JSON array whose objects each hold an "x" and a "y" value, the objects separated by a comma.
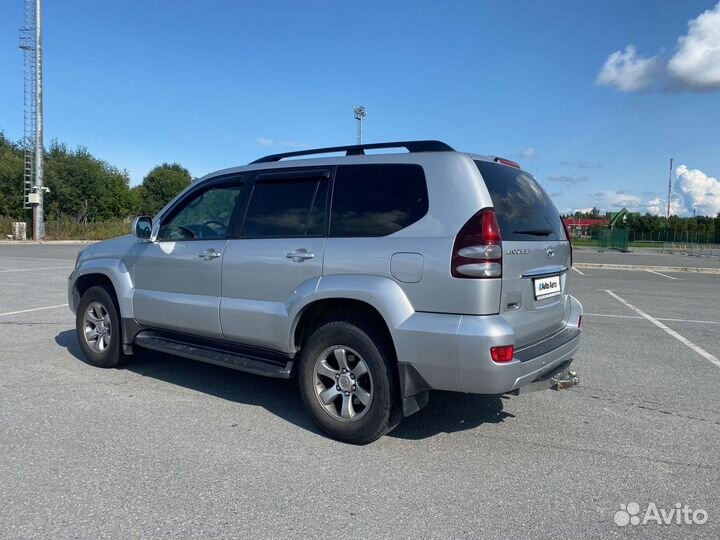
[{"x": 359, "y": 114}]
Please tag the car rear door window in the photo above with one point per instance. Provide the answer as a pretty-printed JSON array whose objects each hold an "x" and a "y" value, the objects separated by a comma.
[
  {"x": 377, "y": 200},
  {"x": 284, "y": 209},
  {"x": 316, "y": 221},
  {"x": 524, "y": 211}
]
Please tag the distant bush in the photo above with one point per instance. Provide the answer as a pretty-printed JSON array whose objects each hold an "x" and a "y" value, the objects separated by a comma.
[{"x": 67, "y": 228}]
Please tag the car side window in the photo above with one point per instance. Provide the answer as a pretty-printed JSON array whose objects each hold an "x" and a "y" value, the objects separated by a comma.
[
  {"x": 204, "y": 216},
  {"x": 377, "y": 200},
  {"x": 285, "y": 209},
  {"x": 316, "y": 221}
]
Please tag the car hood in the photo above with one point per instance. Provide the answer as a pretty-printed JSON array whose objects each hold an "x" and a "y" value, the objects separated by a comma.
[{"x": 115, "y": 248}]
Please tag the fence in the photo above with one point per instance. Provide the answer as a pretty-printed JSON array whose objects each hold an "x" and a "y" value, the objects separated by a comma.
[
  {"x": 624, "y": 240},
  {"x": 701, "y": 250},
  {"x": 681, "y": 237},
  {"x": 614, "y": 239}
]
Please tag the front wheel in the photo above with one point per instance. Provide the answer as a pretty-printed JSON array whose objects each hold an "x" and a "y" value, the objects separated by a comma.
[
  {"x": 98, "y": 328},
  {"x": 348, "y": 383}
]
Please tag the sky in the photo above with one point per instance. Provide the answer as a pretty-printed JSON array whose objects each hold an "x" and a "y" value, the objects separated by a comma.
[{"x": 592, "y": 97}]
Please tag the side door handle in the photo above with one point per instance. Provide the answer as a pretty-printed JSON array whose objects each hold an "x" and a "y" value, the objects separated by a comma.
[
  {"x": 209, "y": 254},
  {"x": 300, "y": 255}
]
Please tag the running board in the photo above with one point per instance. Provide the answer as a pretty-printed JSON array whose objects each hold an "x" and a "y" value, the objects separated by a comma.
[{"x": 274, "y": 365}]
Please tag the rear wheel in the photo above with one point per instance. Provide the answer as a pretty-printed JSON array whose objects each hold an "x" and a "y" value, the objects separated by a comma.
[
  {"x": 348, "y": 383},
  {"x": 97, "y": 324}
]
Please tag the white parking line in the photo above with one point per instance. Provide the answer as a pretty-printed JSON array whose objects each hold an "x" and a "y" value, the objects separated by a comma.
[
  {"x": 33, "y": 269},
  {"x": 659, "y": 318},
  {"x": 659, "y": 274},
  {"x": 33, "y": 309},
  {"x": 682, "y": 339},
  {"x": 578, "y": 271},
  {"x": 10, "y": 257}
]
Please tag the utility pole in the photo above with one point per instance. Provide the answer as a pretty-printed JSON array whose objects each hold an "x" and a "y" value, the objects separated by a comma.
[
  {"x": 31, "y": 45},
  {"x": 359, "y": 113},
  {"x": 669, "y": 187}
]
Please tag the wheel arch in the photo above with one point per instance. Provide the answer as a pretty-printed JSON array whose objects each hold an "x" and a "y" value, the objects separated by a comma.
[
  {"x": 328, "y": 309},
  {"x": 108, "y": 272},
  {"x": 378, "y": 298}
]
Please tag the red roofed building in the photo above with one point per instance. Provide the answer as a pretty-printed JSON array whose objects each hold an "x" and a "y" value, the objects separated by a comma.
[{"x": 581, "y": 226}]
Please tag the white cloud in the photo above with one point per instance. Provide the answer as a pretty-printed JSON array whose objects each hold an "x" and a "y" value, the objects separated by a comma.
[
  {"x": 270, "y": 142},
  {"x": 658, "y": 206},
  {"x": 696, "y": 63},
  {"x": 698, "y": 190},
  {"x": 692, "y": 189},
  {"x": 566, "y": 179},
  {"x": 629, "y": 72},
  {"x": 582, "y": 164},
  {"x": 528, "y": 153},
  {"x": 612, "y": 200}
]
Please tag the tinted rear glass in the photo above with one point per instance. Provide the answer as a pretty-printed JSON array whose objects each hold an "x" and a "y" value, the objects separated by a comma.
[
  {"x": 524, "y": 211},
  {"x": 316, "y": 221},
  {"x": 377, "y": 200},
  {"x": 279, "y": 209}
]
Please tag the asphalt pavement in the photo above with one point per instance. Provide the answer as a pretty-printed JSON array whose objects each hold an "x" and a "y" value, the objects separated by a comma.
[{"x": 169, "y": 448}]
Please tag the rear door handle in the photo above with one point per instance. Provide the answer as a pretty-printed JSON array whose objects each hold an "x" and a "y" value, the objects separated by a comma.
[
  {"x": 209, "y": 254},
  {"x": 300, "y": 255}
]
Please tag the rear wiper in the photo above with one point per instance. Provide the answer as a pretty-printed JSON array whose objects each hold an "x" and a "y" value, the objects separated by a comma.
[{"x": 536, "y": 232}]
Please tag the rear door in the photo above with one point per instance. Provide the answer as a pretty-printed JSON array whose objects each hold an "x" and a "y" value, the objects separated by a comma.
[
  {"x": 275, "y": 257},
  {"x": 536, "y": 254}
]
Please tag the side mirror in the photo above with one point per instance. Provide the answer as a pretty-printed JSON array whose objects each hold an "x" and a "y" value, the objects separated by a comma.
[{"x": 142, "y": 227}]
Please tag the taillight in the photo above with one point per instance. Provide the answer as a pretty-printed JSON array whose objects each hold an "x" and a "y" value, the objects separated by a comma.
[
  {"x": 477, "y": 252},
  {"x": 502, "y": 354},
  {"x": 569, "y": 238}
]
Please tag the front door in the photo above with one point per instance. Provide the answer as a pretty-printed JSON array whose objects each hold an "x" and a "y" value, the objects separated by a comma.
[{"x": 177, "y": 275}]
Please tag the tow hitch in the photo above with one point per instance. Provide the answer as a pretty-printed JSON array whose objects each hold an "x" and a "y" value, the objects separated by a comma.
[
  {"x": 558, "y": 379},
  {"x": 566, "y": 379}
]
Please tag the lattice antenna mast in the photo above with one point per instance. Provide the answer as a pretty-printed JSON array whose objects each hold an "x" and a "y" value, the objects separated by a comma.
[{"x": 31, "y": 45}]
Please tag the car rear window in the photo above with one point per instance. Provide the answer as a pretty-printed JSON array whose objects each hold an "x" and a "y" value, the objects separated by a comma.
[
  {"x": 524, "y": 211},
  {"x": 377, "y": 200}
]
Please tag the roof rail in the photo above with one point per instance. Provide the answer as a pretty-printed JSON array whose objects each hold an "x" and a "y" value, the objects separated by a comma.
[{"x": 359, "y": 149}]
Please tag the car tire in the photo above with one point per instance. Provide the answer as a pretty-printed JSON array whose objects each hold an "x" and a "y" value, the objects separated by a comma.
[
  {"x": 97, "y": 324},
  {"x": 348, "y": 381}
]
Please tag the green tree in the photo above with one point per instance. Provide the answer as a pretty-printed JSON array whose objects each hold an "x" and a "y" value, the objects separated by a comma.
[
  {"x": 11, "y": 178},
  {"x": 84, "y": 187},
  {"x": 160, "y": 185}
]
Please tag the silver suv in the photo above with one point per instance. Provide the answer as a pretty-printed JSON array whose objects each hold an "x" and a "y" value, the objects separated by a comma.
[{"x": 372, "y": 278}]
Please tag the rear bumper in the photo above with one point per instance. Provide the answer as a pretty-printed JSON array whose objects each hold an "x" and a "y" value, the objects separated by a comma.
[{"x": 452, "y": 352}]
